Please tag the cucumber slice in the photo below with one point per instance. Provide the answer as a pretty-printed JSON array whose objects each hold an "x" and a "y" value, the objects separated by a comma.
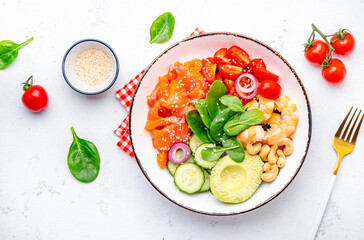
[
  {"x": 194, "y": 143},
  {"x": 172, "y": 167},
  {"x": 189, "y": 178},
  {"x": 206, "y": 185},
  {"x": 199, "y": 159}
]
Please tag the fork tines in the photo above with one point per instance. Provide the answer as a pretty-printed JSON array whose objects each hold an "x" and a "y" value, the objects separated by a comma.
[{"x": 349, "y": 137}]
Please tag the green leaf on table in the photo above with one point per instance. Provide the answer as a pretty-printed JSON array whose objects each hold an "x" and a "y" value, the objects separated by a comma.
[
  {"x": 162, "y": 28},
  {"x": 83, "y": 159},
  {"x": 9, "y": 51}
]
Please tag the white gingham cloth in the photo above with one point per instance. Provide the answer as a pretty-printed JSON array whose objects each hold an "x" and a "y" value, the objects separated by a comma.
[{"x": 125, "y": 95}]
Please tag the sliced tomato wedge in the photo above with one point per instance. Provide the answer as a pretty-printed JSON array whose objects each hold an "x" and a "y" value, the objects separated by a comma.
[
  {"x": 209, "y": 69},
  {"x": 238, "y": 56},
  {"x": 230, "y": 71},
  {"x": 220, "y": 56},
  {"x": 263, "y": 74}
]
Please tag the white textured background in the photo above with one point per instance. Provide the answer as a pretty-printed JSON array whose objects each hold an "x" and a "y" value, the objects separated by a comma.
[{"x": 39, "y": 198}]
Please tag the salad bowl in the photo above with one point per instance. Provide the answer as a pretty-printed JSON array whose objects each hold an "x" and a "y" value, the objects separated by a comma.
[{"x": 203, "y": 46}]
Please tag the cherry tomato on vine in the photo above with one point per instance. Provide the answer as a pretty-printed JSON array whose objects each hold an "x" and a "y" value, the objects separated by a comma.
[
  {"x": 220, "y": 56},
  {"x": 317, "y": 53},
  {"x": 344, "y": 45},
  {"x": 238, "y": 56},
  {"x": 270, "y": 89},
  {"x": 209, "y": 69},
  {"x": 335, "y": 72},
  {"x": 35, "y": 97},
  {"x": 230, "y": 71}
]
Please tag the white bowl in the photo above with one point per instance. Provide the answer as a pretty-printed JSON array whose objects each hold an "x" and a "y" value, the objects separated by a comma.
[
  {"x": 69, "y": 61},
  {"x": 203, "y": 46}
]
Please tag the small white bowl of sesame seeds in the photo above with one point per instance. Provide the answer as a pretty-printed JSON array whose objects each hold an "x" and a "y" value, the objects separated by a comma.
[{"x": 90, "y": 66}]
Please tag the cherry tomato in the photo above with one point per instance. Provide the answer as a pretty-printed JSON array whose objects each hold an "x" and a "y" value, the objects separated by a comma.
[
  {"x": 220, "y": 56},
  {"x": 230, "y": 71},
  {"x": 209, "y": 69},
  {"x": 35, "y": 97},
  {"x": 345, "y": 45},
  {"x": 238, "y": 56},
  {"x": 317, "y": 53},
  {"x": 218, "y": 77},
  {"x": 229, "y": 84},
  {"x": 263, "y": 74},
  {"x": 256, "y": 63},
  {"x": 270, "y": 89},
  {"x": 335, "y": 72}
]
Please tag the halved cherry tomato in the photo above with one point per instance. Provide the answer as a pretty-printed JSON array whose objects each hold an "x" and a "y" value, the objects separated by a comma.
[
  {"x": 209, "y": 69},
  {"x": 230, "y": 71},
  {"x": 270, "y": 89},
  {"x": 335, "y": 72},
  {"x": 238, "y": 56},
  {"x": 229, "y": 84},
  {"x": 218, "y": 77},
  {"x": 257, "y": 63},
  {"x": 220, "y": 56},
  {"x": 263, "y": 74}
]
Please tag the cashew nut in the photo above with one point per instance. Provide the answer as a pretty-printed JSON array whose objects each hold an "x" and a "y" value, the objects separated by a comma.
[
  {"x": 272, "y": 156},
  {"x": 264, "y": 151},
  {"x": 271, "y": 174},
  {"x": 281, "y": 162},
  {"x": 288, "y": 145},
  {"x": 253, "y": 148},
  {"x": 266, "y": 167}
]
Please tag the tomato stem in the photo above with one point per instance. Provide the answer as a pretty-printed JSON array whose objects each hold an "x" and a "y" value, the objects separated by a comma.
[
  {"x": 28, "y": 85},
  {"x": 323, "y": 36}
]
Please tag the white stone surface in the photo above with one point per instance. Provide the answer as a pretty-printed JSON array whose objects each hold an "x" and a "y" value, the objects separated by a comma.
[{"x": 39, "y": 198}]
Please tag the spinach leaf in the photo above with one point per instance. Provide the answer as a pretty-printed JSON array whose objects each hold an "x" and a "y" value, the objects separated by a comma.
[
  {"x": 236, "y": 151},
  {"x": 232, "y": 102},
  {"x": 217, "y": 125},
  {"x": 242, "y": 121},
  {"x": 162, "y": 28},
  {"x": 201, "y": 106},
  {"x": 217, "y": 90},
  {"x": 9, "y": 51},
  {"x": 212, "y": 154},
  {"x": 209, "y": 136},
  {"x": 83, "y": 159},
  {"x": 195, "y": 122}
]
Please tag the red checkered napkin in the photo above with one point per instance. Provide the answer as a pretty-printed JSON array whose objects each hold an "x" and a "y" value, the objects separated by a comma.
[{"x": 125, "y": 95}]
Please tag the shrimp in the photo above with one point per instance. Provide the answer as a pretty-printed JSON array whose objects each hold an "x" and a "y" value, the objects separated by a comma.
[
  {"x": 253, "y": 134},
  {"x": 284, "y": 124},
  {"x": 281, "y": 125},
  {"x": 264, "y": 105}
]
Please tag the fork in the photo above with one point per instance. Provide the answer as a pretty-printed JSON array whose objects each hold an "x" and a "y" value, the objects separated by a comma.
[{"x": 344, "y": 143}]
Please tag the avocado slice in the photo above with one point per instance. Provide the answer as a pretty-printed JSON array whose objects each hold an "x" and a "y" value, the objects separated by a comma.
[{"x": 233, "y": 182}]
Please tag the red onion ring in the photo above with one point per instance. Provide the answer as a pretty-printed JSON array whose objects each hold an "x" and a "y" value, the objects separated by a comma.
[
  {"x": 246, "y": 93},
  {"x": 172, "y": 153}
]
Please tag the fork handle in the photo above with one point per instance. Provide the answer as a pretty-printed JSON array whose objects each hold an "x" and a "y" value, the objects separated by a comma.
[
  {"x": 322, "y": 207},
  {"x": 337, "y": 165}
]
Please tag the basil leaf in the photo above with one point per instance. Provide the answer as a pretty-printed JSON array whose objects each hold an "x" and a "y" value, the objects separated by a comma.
[
  {"x": 162, "y": 28},
  {"x": 83, "y": 159},
  {"x": 242, "y": 121},
  {"x": 212, "y": 154},
  {"x": 217, "y": 125},
  {"x": 237, "y": 154},
  {"x": 201, "y": 106},
  {"x": 9, "y": 51},
  {"x": 217, "y": 90},
  {"x": 197, "y": 126},
  {"x": 232, "y": 102}
]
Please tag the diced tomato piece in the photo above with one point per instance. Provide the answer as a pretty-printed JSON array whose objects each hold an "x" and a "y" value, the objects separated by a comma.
[
  {"x": 230, "y": 71},
  {"x": 220, "y": 56},
  {"x": 238, "y": 56},
  {"x": 209, "y": 69},
  {"x": 162, "y": 159},
  {"x": 263, "y": 74}
]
